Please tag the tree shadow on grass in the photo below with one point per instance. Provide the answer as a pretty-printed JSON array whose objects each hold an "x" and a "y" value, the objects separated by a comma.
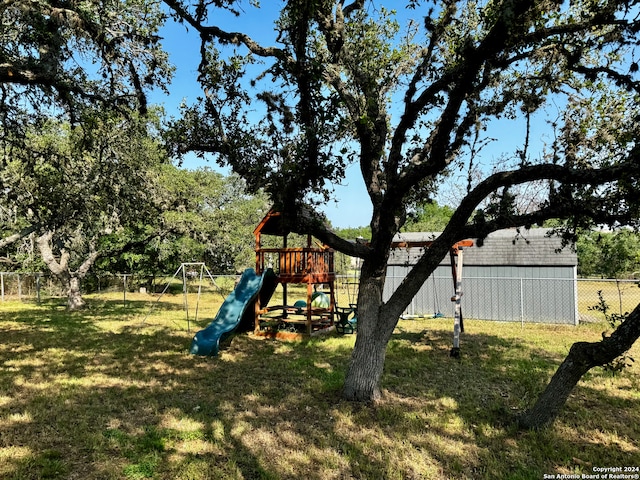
[
  {"x": 496, "y": 379},
  {"x": 87, "y": 403}
]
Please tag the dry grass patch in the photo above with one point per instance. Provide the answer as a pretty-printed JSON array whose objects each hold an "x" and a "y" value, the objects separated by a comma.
[{"x": 102, "y": 395}]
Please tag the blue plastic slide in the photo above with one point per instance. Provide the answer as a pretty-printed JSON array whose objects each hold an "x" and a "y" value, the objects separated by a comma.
[{"x": 207, "y": 341}]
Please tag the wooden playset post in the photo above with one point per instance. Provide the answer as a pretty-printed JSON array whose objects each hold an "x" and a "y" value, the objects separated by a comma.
[
  {"x": 282, "y": 259},
  {"x": 309, "y": 306},
  {"x": 260, "y": 269}
]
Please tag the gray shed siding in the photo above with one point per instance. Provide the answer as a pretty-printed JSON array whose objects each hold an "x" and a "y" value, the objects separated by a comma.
[{"x": 495, "y": 290}]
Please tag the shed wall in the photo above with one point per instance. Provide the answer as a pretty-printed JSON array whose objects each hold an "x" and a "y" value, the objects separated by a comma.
[
  {"x": 542, "y": 294},
  {"x": 523, "y": 276}
]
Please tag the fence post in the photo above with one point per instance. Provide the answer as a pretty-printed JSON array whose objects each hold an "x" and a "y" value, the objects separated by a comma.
[
  {"x": 124, "y": 289},
  {"x": 576, "y": 309},
  {"x": 38, "y": 287},
  {"x": 521, "y": 303},
  {"x": 2, "y": 285}
]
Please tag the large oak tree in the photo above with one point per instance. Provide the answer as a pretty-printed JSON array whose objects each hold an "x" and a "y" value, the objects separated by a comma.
[
  {"x": 68, "y": 69},
  {"x": 341, "y": 82}
]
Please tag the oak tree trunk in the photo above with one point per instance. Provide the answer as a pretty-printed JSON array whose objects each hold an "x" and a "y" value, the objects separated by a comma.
[
  {"x": 367, "y": 362},
  {"x": 582, "y": 357},
  {"x": 59, "y": 267},
  {"x": 74, "y": 294},
  {"x": 375, "y": 327}
]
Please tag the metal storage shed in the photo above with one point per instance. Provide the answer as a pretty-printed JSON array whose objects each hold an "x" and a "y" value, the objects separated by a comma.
[{"x": 524, "y": 277}]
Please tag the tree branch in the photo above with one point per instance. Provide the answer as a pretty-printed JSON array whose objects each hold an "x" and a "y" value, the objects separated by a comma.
[
  {"x": 233, "y": 38},
  {"x": 559, "y": 173},
  {"x": 560, "y": 210},
  {"x": 620, "y": 79},
  {"x": 17, "y": 236},
  {"x": 347, "y": 10},
  {"x": 36, "y": 76},
  {"x": 307, "y": 221},
  {"x": 88, "y": 262},
  {"x": 58, "y": 267}
]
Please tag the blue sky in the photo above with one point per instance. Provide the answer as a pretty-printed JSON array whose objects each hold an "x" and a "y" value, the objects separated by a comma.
[{"x": 351, "y": 207}]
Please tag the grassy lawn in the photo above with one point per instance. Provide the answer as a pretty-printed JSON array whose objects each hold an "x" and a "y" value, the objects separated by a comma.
[{"x": 112, "y": 393}]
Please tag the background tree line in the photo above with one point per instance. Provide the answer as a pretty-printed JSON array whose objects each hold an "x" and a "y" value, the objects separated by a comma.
[{"x": 102, "y": 196}]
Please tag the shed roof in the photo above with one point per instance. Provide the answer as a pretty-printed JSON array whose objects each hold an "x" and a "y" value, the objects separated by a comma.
[{"x": 505, "y": 247}]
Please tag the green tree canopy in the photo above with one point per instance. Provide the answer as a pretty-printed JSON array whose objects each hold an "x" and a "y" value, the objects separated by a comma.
[
  {"x": 66, "y": 55},
  {"x": 205, "y": 217},
  {"x": 78, "y": 189},
  {"x": 609, "y": 254},
  {"x": 429, "y": 217}
]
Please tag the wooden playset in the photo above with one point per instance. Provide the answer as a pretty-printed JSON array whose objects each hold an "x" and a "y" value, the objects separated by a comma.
[{"x": 313, "y": 266}]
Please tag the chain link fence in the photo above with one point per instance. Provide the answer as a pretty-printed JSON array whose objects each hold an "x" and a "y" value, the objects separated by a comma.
[
  {"x": 39, "y": 286},
  {"x": 621, "y": 296},
  {"x": 21, "y": 286},
  {"x": 545, "y": 300}
]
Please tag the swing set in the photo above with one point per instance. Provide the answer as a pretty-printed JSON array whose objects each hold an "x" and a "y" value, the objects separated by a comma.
[
  {"x": 347, "y": 322},
  {"x": 456, "y": 256},
  {"x": 348, "y": 316},
  {"x": 188, "y": 270}
]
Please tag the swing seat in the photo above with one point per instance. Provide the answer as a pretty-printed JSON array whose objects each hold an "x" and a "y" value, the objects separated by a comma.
[
  {"x": 300, "y": 305},
  {"x": 346, "y": 325}
]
